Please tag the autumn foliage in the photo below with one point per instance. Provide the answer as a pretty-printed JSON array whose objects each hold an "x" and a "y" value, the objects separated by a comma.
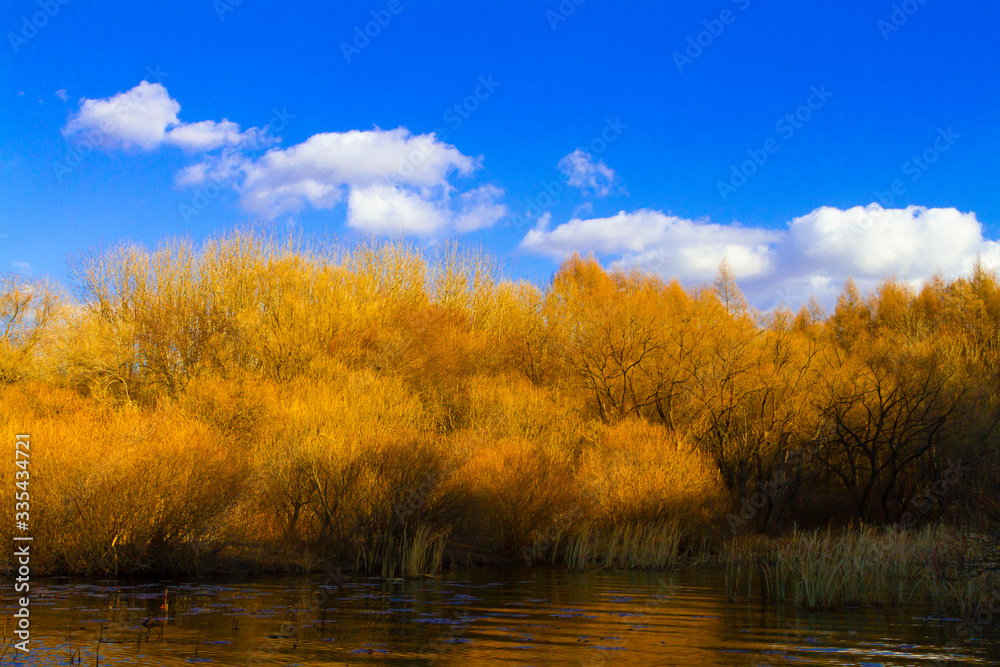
[{"x": 278, "y": 403}]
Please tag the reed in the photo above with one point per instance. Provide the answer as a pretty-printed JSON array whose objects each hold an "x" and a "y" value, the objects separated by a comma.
[
  {"x": 751, "y": 568},
  {"x": 868, "y": 566},
  {"x": 418, "y": 554},
  {"x": 632, "y": 546}
]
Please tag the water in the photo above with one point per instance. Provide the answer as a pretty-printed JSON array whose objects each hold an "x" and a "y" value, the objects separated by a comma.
[{"x": 474, "y": 617}]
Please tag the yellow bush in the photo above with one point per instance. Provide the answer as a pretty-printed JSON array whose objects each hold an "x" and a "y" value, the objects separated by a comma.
[
  {"x": 520, "y": 490},
  {"x": 121, "y": 489},
  {"x": 641, "y": 472},
  {"x": 284, "y": 397}
]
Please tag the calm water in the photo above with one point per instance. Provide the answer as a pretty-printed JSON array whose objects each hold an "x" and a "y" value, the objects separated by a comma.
[{"x": 515, "y": 617}]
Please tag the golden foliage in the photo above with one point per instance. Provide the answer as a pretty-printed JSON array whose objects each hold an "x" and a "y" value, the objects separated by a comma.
[{"x": 270, "y": 396}]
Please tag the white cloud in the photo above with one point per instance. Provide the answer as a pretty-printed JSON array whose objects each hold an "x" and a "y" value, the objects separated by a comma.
[
  {"x": 146, "y": 117},
  {"x": 194, "y": 174},
  {"x": 666, "y": 244},
  {"x": 872, "y": 242},
  {"x": 581, "y": 171},
  {"x": 138, "y": 117},
  {"x": 61, "y": 94},
  {"x": 479, "y": 209},
  {"x": 315, "y": 171},
  {"x": 24, "y": 268},
  {"x": 388, "y": 209},
  {"x": 393, "y": 181},
  {"x": 813, "y": 256},
  {"x": 225, "y": 167},
  {"x": 989, "y": 254},
  {"x": 206, "y": 135}
]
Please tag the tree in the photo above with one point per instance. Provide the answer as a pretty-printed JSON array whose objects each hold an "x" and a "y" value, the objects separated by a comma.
[
  {"x": 27, "y": 310},
  {"x": 615, "y": 329},
  {"x": 892, "y": 408},
  {"x": 852, "y": 317},
  {"x": 754, "y": 409}
]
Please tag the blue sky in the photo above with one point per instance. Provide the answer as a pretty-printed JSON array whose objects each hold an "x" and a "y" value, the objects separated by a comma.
[{"x": 670, "y": 135}]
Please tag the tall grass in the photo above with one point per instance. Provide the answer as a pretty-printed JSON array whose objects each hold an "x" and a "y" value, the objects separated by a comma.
[
  {"x": 869, "y": 566},
  {"x": 420, "y": 553},
  {"x": 630, "y": 546}
]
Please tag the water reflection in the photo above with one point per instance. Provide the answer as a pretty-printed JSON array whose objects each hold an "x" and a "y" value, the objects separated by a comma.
[{"x": 516, "y": 617}]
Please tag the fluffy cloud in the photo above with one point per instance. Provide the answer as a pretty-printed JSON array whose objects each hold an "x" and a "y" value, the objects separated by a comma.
[
  {"x": 393, "y": 181},
  {"x": 388, "y": 209},
  {"x": 479, "y": 209},
  {"x": 226, "y": 167},
  {"x": 581, "y": 171},
  {"x": 206, "y": 135},
  {"x": 194, "y": 174},
  {"x": 146, "y": 117},
  {"x": 813, "y": 256},
  {"x": 872, "y": 242},
  {"x": 136, "y": 118},
  {"x": 316, "y": 171},
  {"x": 665, "y": 244}
]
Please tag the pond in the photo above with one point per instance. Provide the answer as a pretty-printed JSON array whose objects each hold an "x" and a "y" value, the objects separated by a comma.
[{"x": 471, "y": 617}]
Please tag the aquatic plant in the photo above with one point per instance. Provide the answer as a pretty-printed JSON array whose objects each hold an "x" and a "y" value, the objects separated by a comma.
[
  {"x": 867, "y": 566},
  {"x": 654, "y": 545}
]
